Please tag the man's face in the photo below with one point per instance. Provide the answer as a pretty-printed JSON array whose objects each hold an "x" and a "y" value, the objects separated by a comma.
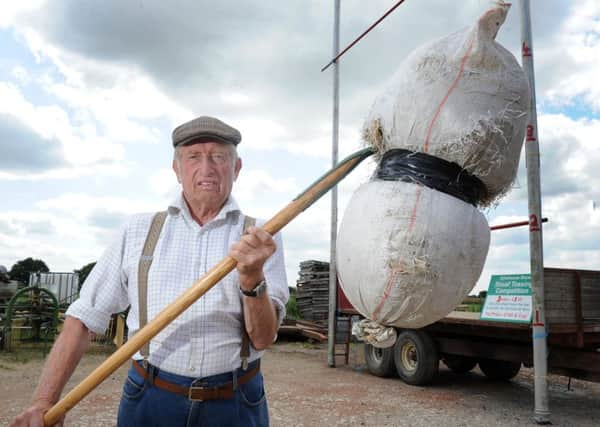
[{"x": 206, "y": 171}]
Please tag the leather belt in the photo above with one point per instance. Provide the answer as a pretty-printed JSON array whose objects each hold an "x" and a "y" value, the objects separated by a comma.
[{"x": 200, "y": 393}]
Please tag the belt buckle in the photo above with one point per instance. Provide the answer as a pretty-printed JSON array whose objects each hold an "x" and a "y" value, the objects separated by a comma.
[{"x": 191, "y": 390}]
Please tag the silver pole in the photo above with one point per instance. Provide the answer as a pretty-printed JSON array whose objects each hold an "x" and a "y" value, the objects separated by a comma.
[
  {"x": 532, "y": 157},
  {"x": 334, "y": 214}
]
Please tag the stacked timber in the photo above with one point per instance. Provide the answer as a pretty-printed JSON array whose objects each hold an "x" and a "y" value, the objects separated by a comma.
[
  {"x": 313, "y": 291},
  {"x": 294, "y": 328}
]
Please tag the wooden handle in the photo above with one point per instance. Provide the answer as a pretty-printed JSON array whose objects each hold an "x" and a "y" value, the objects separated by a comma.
[{"x": 203, "y": 285}]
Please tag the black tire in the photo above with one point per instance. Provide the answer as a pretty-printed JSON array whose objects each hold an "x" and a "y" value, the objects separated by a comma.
[
  {"x": 416, "y": 357},
  {"x": 499, "y": 369},
  {"x": 380, "y": 361},
  {"x": 459, "y": 364}
]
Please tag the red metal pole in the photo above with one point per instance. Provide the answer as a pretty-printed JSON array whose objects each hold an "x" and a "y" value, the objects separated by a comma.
[
  {"x": 513, "y": 224},
  {"x": 339, "y": 55}
]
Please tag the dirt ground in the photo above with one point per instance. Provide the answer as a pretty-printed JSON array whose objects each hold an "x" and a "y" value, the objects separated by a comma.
[{"x": 303, "y": 391}]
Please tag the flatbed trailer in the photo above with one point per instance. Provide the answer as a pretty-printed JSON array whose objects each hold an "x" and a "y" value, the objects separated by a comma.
[{"x": 462, "y": 340}]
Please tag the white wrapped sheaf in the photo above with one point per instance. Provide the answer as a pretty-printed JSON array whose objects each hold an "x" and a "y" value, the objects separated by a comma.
[
  {"x": 463, "y": 98},
  {"x": 407, "y": 255}
]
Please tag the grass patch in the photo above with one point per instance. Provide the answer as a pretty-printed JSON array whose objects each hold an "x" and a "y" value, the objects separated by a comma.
[
  {"x": 291, "y": 309},
  {"x": 475, "y": 308}
]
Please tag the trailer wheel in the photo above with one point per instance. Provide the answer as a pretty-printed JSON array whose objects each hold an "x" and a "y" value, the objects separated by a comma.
[
  {"x": 499, "y": 369},
  {"x": 380, "y": 361},
  {"x": 416, "y": 357},
  {"x": 459, "y": 364}
]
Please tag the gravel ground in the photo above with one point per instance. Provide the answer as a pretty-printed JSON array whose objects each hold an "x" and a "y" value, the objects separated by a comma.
[{"x": 304, "y": 391}]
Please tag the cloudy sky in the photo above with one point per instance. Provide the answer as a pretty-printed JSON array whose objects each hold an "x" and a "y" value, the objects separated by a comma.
[{"x": 90, "y": 91}]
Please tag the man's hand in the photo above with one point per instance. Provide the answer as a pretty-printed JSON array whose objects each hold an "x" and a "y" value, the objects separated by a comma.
[
  {"x": 251, "y": 253},
  {"x": 34, "y": 416}
]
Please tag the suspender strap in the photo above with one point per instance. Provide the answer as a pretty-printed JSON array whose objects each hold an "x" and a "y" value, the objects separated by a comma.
[
  {"x": 143, "y": 269},
  {"x": 245, "y": 350}
]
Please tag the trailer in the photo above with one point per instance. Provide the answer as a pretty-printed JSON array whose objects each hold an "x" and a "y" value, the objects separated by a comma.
[{"x": 462, "y": 340}]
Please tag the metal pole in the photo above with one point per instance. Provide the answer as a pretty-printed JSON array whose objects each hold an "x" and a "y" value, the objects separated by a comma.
[
  {"x": 532, "y": 157},
  {"x": 334, "y": 214}
]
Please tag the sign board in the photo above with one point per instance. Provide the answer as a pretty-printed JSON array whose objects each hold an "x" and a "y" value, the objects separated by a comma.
[{"x": 508, "y": 299}]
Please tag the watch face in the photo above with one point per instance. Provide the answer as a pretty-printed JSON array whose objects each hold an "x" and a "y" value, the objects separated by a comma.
[
  {"x": 261, "y": 288},
  {"x": 257, "y": 291}
]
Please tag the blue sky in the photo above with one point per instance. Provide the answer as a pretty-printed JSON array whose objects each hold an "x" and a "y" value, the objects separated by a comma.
[{"x": 89, "y": 93}]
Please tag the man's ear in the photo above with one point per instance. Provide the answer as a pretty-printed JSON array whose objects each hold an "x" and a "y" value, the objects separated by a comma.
[
  {"x": 176, "y": 170},
  {"x": 236, "y": 168}
]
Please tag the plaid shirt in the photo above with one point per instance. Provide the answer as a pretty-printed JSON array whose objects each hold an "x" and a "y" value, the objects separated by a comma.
[{"x": 206, "y": 338}]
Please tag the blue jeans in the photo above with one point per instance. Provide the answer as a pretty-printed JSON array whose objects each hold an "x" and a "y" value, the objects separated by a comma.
[{"x": 143, "y": 404}]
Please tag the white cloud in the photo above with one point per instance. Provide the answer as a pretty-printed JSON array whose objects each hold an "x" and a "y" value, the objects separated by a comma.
[
  {"x": 81, "y": 144},
  {"x": 262, "y": 133},
  {"x": 239, "y": 98},
  {"x": 114, "y": 94},
  {"x": 118, "y": 109},
  {"x": 575, "y": 141},
  {"x": 164, "y": 183},
  {"x": 256, "y": 181},
  {"x": 574, "y": 56},
  {"x": 21, "y": 74},
  {"x": 62, "y": 174},
  {"x": 81, "y": 205},
  {"x": 12, "y": 9}
]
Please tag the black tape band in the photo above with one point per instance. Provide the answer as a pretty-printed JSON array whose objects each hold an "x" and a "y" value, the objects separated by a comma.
[{"x": 448, "y": 177}]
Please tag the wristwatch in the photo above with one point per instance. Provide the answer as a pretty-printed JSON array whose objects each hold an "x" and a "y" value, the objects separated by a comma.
[{"x": 258, "y": 290}]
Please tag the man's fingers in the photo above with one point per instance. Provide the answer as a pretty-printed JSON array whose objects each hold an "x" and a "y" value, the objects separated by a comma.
[
  {"x": 33, "y": 417},
  {"x": 260, "y": 233},
  {"x": 256, "y": 237},
  {"x": 250, "y": 241},
  {"x": 253, "y": 249}
]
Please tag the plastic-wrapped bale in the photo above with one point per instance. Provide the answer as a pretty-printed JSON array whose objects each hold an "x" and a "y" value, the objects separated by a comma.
[
  {"x": 463, "y": 98},
  {"x": 407, "y": 254}
]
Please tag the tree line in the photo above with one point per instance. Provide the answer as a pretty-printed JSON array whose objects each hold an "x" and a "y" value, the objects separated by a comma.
[{"x": 21, "y": 270}]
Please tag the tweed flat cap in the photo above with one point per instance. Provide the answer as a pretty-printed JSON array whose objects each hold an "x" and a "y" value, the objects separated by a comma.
[{"x": 205, "y": 129}]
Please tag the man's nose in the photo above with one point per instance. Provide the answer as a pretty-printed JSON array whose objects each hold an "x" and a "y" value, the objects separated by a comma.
[{"x": 206, "y": 163}]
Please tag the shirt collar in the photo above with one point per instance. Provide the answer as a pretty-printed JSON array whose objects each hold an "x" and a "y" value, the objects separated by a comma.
[{"x": 180, "y": 206}]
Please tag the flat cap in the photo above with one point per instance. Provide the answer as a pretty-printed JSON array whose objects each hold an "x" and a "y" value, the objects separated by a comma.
[{"x": 205, "y": 129}]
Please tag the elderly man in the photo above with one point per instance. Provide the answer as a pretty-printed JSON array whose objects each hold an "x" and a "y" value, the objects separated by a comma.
[{"x": 204, "y": 368}]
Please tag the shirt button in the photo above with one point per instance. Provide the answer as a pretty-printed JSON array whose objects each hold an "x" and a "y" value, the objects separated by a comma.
[{"x": 192, "y": 368}]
